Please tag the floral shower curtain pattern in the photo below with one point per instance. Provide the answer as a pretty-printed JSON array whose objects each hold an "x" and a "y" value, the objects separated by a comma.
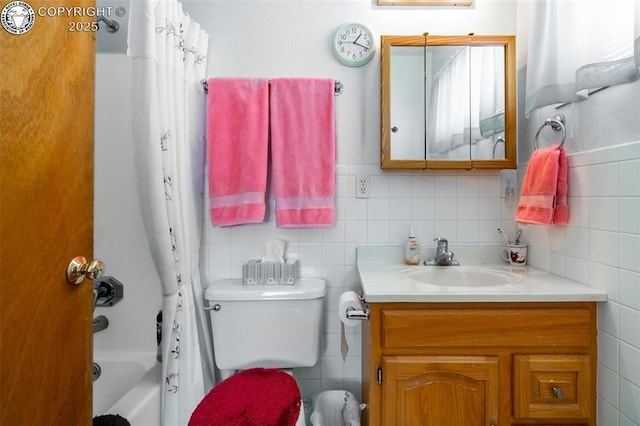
[{"x": 168, "y": 51}]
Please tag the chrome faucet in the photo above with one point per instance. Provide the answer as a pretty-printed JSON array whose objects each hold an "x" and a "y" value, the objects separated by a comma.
[{"x": 443, "y": 256}]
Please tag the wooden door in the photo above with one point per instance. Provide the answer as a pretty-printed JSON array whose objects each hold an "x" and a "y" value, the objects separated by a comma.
[
  {"x": 440, "y": 390},
  {"x": 46, "y": 210}
]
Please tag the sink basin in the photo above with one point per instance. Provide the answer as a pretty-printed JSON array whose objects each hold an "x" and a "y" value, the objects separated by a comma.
[{"x": 459, "y": 276}]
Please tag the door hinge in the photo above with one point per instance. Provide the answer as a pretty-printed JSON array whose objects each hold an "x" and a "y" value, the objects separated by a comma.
[{"x": 379, "y": 376}]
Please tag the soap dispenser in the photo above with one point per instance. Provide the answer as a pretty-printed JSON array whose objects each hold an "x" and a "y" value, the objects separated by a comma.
[{"x": 412, "y": 249}]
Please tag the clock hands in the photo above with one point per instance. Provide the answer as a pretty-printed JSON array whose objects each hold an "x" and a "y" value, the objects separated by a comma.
[{"x": 358, "y": 44}]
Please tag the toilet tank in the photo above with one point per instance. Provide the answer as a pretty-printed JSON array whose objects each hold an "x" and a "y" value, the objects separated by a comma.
[{"x": 270, "y": 326}]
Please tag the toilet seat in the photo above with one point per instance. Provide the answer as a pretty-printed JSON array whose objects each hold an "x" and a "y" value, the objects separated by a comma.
[{"x": 258, "y": 396}]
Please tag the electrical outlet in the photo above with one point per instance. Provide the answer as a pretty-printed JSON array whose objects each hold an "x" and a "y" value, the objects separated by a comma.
[
  {"x": 509, "y": 183},
  {"x": 363, "y": 186}
]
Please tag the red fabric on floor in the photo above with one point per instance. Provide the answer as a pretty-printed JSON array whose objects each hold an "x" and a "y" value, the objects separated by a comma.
[{"x": 254, "y": 397}]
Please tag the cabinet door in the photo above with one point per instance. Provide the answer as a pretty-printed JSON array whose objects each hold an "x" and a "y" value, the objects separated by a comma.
[{"x": 440, "y": 390}]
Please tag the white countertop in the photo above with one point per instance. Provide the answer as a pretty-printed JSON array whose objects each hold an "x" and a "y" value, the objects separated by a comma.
[{"x": 384, "y": 278}]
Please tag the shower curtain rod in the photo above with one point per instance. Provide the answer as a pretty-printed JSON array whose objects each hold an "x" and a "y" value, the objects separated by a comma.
[{"x": 337, "y": 90}]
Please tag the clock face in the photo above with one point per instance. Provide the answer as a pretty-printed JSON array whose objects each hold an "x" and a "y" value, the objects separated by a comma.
[{"x": 353, "y": 45}]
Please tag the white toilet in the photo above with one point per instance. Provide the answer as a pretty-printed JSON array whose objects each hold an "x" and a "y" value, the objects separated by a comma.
[{"x": 268, "y": 326}]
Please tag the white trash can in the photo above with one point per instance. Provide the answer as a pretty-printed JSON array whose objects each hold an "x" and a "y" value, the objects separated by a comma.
[{"x": 335, "y": 408}]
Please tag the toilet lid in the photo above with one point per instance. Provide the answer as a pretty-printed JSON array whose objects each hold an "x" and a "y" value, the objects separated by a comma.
[
  {"x": 254, "y": 397},
  {"x": 233, "y": 290}
]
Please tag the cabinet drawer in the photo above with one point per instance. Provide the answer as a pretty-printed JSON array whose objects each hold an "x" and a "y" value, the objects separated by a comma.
[
  {"x": 552, "y": 386},
  {"x": 498, "y": 327}
]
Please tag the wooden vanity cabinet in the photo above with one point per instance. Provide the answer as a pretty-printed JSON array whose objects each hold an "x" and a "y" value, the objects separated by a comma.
[{"x": 479, "y": 364}]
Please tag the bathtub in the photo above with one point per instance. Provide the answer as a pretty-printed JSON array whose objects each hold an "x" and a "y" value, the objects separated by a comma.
[{"x": 129, "y": 385}]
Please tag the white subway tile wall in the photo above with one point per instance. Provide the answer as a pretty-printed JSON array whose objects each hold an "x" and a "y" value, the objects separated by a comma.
[
  {"x": 464, "y": 207},
  {"x": 600, "y": 247}
]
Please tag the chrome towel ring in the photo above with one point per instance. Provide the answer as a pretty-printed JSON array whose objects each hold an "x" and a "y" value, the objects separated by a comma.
[{"x": 557, "y": 124}]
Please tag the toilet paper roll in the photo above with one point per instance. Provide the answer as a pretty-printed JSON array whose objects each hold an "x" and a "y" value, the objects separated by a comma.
[
  {"x": 349, "y": 300},
  {"x": 344, "y": 345}
]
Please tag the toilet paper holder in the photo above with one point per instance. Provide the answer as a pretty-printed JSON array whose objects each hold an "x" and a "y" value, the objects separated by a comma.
[{"x": 357, "y": 314}]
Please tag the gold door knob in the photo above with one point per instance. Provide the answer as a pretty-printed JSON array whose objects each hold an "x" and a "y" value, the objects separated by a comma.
[{"x": 78, "y": 269}]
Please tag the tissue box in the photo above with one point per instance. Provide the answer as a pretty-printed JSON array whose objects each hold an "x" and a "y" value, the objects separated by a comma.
[{"x": 256, "y": 272}]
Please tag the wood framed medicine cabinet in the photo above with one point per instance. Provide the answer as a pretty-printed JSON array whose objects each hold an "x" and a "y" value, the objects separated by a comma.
[{"x": 448, "y": 102}]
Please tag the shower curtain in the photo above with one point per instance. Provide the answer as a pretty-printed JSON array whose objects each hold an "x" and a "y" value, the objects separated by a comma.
[
  {"x": 578, "y": 46},
  {"x": 168, "y": 51}
]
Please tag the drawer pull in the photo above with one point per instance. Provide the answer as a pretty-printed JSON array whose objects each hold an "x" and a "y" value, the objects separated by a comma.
[{"x": 559, "y": 393}]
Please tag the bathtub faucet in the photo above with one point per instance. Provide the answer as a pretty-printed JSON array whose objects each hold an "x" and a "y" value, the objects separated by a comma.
[
  {"x": 100, "y": 323},
  {"x": 107, "y": 291}
]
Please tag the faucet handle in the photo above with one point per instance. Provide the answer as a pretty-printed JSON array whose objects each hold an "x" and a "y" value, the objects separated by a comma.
[{"x": 442, "y": 244}]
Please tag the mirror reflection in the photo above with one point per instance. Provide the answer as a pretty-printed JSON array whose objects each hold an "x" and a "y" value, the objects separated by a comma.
[{"x": 465, "y": 101}]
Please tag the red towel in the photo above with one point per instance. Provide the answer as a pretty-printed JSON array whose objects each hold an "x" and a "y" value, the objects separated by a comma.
[
  {"x": 254, "y": 397},
  {"x": 303, "y": 151},
  {"x": 238, "y": 143},
  {"x": 543, "y": 199}
]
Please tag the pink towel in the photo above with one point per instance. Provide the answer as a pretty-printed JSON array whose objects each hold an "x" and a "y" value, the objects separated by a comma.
[
  {"x": 238, "y": 143},
  {"x": 543, "y": 199},
  {"x": 303, "y": 151}
]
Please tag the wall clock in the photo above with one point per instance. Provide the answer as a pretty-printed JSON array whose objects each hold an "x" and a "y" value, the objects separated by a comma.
[{"x": 353, "y": 44}]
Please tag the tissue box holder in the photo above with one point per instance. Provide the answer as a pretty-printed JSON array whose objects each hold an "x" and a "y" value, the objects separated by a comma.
[{"x": 256, "y": 272}]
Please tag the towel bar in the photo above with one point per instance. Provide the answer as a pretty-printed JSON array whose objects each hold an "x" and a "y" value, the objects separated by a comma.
[
  {"x": 337, "y": 90},
  {"x": 556, "y": 123}
]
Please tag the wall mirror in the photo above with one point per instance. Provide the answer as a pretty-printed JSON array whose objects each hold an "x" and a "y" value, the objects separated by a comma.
[{"x": 448, "y": 102}]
